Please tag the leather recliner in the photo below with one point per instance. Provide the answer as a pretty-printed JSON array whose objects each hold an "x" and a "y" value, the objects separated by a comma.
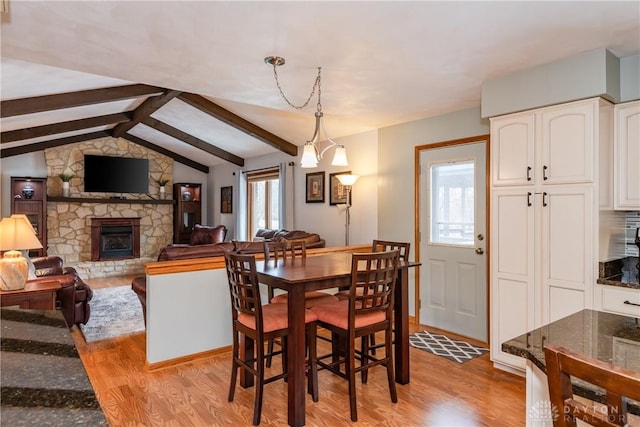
[{"x": 74, "y": 296}]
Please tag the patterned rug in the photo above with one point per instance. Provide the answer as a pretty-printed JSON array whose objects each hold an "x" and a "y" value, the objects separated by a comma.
[
  {"x": 114, "y": 312},
  {"x": 458, "y": 351}
]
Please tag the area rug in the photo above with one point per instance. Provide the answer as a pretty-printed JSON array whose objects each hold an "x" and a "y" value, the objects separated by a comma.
[
  {"x": 114, "y": 312},
  {"x": 440, "y": 345}
]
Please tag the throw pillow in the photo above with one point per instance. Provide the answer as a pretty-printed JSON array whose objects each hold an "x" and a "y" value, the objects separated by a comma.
[{"x": 205, "y": 235}]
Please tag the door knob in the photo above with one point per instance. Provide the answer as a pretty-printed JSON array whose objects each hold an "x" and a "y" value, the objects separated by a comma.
[{"x": 479, "y": 251}]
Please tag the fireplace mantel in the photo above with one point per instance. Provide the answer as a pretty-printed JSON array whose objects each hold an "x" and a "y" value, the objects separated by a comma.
[{"x": 51, "y": 199}]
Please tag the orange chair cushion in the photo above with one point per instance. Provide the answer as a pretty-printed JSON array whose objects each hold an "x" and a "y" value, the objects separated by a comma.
[
  {"x": 274, "y": 317},
  {"x": 311, "y": 298},
  {"x": 337, "y": 314}
]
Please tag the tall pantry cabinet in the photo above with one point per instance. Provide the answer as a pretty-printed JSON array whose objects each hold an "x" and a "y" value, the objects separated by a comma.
[{"x": 546, "y": 176}]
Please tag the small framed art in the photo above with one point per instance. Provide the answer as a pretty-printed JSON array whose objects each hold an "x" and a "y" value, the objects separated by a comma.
[
  {"x": 226, "y": 199},
  {"x": 315, "y": 187}
]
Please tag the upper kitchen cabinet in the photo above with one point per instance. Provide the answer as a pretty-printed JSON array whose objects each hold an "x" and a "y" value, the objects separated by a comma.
[
  {"x": 627, "y": 156},
  {"x": 551, "y": 145}
]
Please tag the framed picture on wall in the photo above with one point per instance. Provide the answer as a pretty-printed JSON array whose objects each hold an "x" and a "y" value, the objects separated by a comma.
[
  {"x": 315, "y": 187},
  {"x": 337, "y": 191},
  {"x": 226, "y": 199}
]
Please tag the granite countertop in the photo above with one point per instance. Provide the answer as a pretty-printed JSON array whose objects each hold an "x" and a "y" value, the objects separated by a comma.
[
  {"x": 43, "y": 379},
  {"x": 588, "y": 332},
  {"x": 621, "y": 272}
]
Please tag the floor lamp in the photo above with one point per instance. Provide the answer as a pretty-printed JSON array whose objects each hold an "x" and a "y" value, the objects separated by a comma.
[{"x": 347, "y": 180}]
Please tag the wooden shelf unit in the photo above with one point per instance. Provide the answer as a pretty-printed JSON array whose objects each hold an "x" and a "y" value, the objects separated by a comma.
[
  {"x": 188, "y": 210},
  {"x": 29, "y": 197}
]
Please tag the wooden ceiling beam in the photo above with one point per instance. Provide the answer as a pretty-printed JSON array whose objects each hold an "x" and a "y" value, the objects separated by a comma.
[
  {"x": 146, "y": 109},
  {"x": 30, "y": 148},
  {"x": 193, "y": 141},
  {"x": 243, "y": 125},
  {"x": 61, "y": 127},
  {"x": 168, "y": 153},
  {"x": 38, "y": 104}
]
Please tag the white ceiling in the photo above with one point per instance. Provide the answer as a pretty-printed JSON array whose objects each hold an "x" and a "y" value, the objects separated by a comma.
[{"x": 382, "y": 63}]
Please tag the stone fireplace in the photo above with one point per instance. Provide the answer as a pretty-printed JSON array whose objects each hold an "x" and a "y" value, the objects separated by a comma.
[{"x": 115, "y": 238}]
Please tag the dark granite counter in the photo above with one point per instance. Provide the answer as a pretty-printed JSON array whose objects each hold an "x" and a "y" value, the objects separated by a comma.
[
  {"x": 43, "y": 381},
  {"x": 621, "y": 272},
  {"x": 608, "y": 337}
]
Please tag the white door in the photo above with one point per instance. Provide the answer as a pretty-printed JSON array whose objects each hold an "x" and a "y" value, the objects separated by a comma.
[{"x": 453, "y": 279}]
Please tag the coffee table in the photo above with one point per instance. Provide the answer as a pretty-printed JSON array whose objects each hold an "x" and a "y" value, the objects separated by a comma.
[{"x": 35, "y": 296}]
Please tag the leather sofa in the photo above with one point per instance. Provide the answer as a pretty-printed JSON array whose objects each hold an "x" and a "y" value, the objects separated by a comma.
[
  {"x": 219, "y": 246},
  {"x": 74, "y": 296}
]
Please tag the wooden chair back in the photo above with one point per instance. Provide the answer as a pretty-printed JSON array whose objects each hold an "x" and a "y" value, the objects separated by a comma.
[
  {"x": 373, "y": 277},
  {"x": 386, "y": 245},
  {"x": 243, "y": 286},
  {"x": 284, "y": 249},
  {"x": 618, "y": 383}
]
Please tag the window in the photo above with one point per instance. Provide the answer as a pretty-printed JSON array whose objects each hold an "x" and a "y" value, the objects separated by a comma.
[
  {"x": 263, "y": 200},
  {"x": 452, "y": 203}
]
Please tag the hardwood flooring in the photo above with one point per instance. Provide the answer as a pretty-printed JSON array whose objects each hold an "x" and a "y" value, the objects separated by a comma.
[{"x": 441, "y": 392}]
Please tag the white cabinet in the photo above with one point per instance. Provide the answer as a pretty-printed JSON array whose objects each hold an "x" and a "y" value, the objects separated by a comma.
[
  {"x": 618, "y": 299},
  {"x": 544, "y": 213},
  {"x": 627, "y": 156},
  {"x": 554, "y": 145}
]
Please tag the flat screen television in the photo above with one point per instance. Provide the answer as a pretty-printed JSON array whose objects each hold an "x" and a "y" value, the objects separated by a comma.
[{"x": 105, "y": 174}]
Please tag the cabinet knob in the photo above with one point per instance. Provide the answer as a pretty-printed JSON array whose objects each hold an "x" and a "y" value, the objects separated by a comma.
[{"x": 479, "y": 251}]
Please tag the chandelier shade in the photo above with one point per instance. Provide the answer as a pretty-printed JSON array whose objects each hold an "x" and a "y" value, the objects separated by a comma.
[{"x": 312, "y": 153}]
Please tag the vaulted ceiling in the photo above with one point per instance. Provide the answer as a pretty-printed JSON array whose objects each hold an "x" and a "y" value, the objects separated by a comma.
[{"x": 188, "y": 78}]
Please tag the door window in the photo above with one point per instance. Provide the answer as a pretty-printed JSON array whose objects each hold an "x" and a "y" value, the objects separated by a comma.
[
  {"x": 263, "y": 200},
  {"x": 452, "y": 203}
]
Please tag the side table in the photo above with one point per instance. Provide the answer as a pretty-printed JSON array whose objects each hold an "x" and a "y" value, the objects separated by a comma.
[{"x": 34, "y": 296}]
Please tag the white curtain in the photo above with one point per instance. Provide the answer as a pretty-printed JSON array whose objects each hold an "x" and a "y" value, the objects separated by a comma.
[
  {"x": 241, "y": 202},
  {"x": 287, "y": 192}
]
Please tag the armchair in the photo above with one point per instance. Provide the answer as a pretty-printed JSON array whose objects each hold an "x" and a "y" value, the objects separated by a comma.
[{"x": 74, "y": 296}]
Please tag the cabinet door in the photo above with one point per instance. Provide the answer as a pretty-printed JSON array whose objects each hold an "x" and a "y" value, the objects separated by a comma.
[
  {"x": 627, "y": 156},
  {"x": 567, "y": 250},
  {"x": 512, "y": 149},
  {"x": 567, "y": 136},
  {"x": 512, "y": 270}
]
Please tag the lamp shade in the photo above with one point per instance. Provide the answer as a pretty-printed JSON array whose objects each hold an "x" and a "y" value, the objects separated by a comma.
[
  {"x": 340, "y": 157},
  {"x": 309, "y": 156},
  {"x": 16, "y": 233},
  {"x": 347, "y": 179}
]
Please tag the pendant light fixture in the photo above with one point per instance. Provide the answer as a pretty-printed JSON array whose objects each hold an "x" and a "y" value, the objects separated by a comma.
[{"x": 312, "y": 153}]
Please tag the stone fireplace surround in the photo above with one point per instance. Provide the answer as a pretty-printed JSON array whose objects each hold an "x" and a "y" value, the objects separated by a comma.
[{"x": 69, "y": 220}]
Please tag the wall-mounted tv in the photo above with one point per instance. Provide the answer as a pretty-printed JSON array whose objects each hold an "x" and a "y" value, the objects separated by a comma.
[{"x": 105, "y": 174}]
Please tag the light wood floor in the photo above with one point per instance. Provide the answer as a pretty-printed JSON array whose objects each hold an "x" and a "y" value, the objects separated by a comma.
[{"x": 441, "y": 392}]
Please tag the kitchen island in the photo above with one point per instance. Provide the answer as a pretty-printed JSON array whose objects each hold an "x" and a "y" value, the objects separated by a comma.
[
  {"x": 608, "y": 337},
  {"x": 43, "y": 379}
]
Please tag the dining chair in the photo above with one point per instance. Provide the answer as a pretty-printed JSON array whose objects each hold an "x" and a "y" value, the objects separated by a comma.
[
  {"x": 618, "y": 384},
  {"x": 403, "y": 249},
  {"x": 368, "y": 310},
  {"x": 288, "y": 251},
  {"x": 261, "y": 323}
]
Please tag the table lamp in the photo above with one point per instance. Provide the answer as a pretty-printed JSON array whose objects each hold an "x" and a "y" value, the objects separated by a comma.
[{"x": 16, "y": 234}]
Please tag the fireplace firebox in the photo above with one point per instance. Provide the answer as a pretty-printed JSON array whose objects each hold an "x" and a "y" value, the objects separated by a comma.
[{"x": 115, "y": 238}]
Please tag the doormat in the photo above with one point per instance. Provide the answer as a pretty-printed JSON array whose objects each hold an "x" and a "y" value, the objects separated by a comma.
[
  {"x": 440, "y": 345},
  {"x": 114, "y": 312}
]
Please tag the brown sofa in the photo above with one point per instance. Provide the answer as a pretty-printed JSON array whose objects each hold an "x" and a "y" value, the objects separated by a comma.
[
  {"x": 74, "y": 296},
  {"x": 218, "y": 247}
]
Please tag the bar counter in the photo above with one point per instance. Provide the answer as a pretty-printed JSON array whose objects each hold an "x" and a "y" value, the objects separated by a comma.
[
  {"x": 42, "y": 377},
  {"x": 608, "y": 337}
]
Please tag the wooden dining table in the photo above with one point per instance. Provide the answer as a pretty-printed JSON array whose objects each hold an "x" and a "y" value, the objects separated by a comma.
[{"x": 326, "y": 271}]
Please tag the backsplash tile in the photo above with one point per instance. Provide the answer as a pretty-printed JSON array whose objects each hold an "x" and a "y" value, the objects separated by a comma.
[{"x": 632, "y": 222}]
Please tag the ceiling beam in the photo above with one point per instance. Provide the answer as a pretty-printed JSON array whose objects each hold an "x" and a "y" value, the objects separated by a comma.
[
  {"x": 193, "y": 141},
  {"x": 30, "y": 148},
  {"x": 61, "y": 127},
  {"x": 238, "y": 122},
  {"x": 147, "y": 108},
  {"x": 168, "y": 153},
  {"x": 38, "y": 104}
]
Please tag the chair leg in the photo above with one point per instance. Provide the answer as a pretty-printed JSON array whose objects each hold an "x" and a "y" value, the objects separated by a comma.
[
  {"x": 257, "y": 408},
  {"x": 234, "y": 368},
  {"x": 390, "y": 369},
  {"x": 364, "y": 349},
  {"x": 269, "y": 351},
  {"x": 312, "y": 380},
  {"x": 350, "y": 367}
]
